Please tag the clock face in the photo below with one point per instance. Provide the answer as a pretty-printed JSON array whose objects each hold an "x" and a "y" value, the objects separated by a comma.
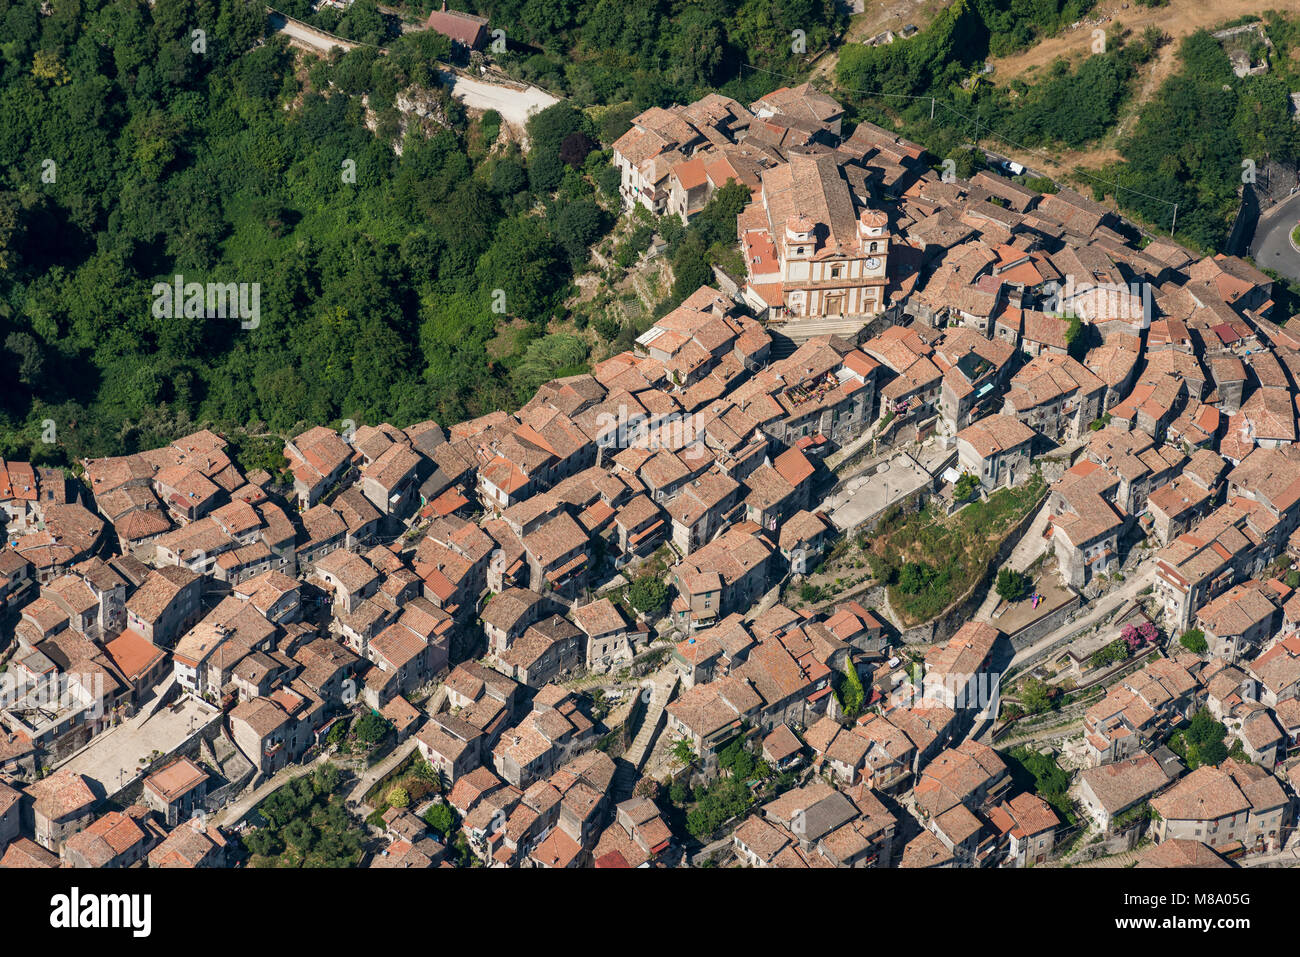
[{"x": 873, "y": 262}]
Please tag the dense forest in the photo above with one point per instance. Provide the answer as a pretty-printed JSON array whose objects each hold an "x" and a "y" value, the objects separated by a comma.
[
  {"x": 130, "y": 153},
  {"x": 1191, "y": 140},
  {"x": 406, "y": 267},
  {"x": 657, "y": 52},
  {"x": 410, "y": 263}
]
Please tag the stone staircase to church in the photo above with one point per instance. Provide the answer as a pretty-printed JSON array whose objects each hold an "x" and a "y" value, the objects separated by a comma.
[{"x": 788, "y": 337}]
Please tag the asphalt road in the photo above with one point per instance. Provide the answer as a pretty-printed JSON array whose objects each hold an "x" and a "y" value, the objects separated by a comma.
[
  {"x": 1271, "y": 245},
  {"x": 996, "y": 158}
]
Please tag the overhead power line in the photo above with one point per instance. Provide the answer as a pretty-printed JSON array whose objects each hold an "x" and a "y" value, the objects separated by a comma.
[{"x": 980, "y": 125}]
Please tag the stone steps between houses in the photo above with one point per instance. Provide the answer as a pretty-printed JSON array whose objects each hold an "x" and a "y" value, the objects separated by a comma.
[{"x": 629, "y": 766}]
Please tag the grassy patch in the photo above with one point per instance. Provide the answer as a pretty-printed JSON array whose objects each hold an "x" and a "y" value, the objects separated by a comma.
[{"x": 930, "y": 561}]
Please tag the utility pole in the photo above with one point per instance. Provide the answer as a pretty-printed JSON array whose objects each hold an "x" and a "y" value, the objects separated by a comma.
[
  {"x": 1174, "y": 227},
  {"x": 931, "y": 108}
]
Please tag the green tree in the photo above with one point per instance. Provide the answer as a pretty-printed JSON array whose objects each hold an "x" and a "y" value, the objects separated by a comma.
[
  {"x": 1031, "y": 768},
  {"x": 370, "y": 728},
  {"x": 263, "y": 841},
  {"x": 325, "y": 778},
  {"x": 13, "y": 225},
  {"x": 915, "y": 577},
  {"x": 1204, "y": 738},
  {"x": 522, "y": 263},
  {"x": 1011, "y": 585},
  {"x": 440, "y": 818},
  {"x": 299, "y": 834},
  {"x": 545, "y": 171},
  {"x": 648, "y": 594},
  {"x": 1193, "y": 639},
  {"x": 508, "y": 177},
  {"x": 1076, "y": 339},
  {"x": 852, "y": 695},
  {"x": 549, "y": 357},
  {"x": 548, "y": 128},
  {"x": 691, "y": 268},
  {"x": 616, "y": 121},
  {"x": 1035, "y": 696},
  {"x": 577, "y": 225},
  {"x": 966, "y": 486}
]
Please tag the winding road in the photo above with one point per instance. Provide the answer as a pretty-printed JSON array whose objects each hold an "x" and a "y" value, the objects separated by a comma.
[
  {"x": 515, "y": 103},
  {"x": 1271, "y": 245}
]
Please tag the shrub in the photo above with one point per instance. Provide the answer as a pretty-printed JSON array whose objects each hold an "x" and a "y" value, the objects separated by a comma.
[
  {"x": 647, "y": 594},
  {"x": 915, "y": 577},
  {"x": 1035, "y": 696},
  {"x": 1135, "y": 638},
  {"x": 852, "y": 695},
  {"x": 1011, "y": 585},
  {"x": 811, "y": 593},
  {"x": 440, "y": 818},
  {"x": 1116, "y": 651}
]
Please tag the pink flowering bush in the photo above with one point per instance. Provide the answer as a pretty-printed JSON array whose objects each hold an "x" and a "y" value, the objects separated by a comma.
[{"x": 1136, "y": 638}]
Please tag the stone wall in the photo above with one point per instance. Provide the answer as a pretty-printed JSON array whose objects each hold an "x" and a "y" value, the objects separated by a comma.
[
  {"x": 727, "y": 284},
  {"x": 1243, "y": 227},
  {"x": 1048, "y": 623},
  {"x": 189, "y": 748},
  {"x": 1054, "y": 465},
  {"x": 1274, "y": 184}
]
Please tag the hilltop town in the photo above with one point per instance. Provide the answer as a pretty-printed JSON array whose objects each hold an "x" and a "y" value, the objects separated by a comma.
[{"x": 680, "y": 610}]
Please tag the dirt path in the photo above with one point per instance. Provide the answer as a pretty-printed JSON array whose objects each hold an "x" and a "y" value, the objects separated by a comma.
[
  {"x": 232, "y": 814},
  {"x": 882, "y": 15},
  {"x": 368, "y": 779},
  {"x": 1152, "y": 75},
  {"x": 1179, "y": 18}
]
